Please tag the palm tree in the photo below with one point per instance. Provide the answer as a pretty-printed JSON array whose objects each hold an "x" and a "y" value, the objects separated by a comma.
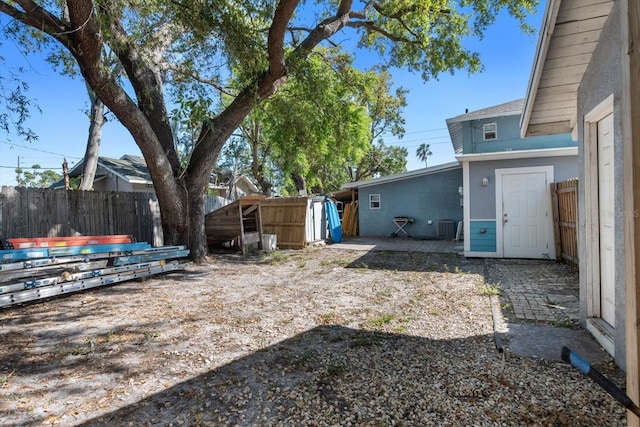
[{"x": 423, "y": 152}]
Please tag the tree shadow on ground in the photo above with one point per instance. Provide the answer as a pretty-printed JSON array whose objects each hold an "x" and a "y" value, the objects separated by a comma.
[
  {"x": 418, "y": 261},
  {"x": 337, "y": 375}
]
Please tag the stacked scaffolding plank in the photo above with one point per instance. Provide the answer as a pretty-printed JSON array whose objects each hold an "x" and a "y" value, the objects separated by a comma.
[{"x": 32, "y": 269}]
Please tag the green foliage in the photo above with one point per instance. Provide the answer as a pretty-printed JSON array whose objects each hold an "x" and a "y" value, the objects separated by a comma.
[
  {"x": 16, "y": 107},
  {"x": 36, "y": 177},
  {"x": 423, "y": 152},
  {"x": 384, "y": 106},
  {"x": 379, "y": 321},
  {"x": 489, "y": 290},
  {"x": 317, "y": 127},
  {"x": 381, "y": 160},
  {"x": 322, "y": 124},
  {"x": 315, "y": 124},
  {"x": 427, "y": 36}
]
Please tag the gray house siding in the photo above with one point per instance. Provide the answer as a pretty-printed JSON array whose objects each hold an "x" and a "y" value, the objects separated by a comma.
[
  {"x": 482, "y": 200},
  {"x": 597, "y": 84},
  {"x": 486, "y": 159},
  {"x": 431, "y": 197},
  {"x": 508, "y": 137}
]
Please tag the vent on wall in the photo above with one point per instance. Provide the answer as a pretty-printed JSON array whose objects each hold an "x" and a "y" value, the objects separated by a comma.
[{"x": 446, "y": 229}]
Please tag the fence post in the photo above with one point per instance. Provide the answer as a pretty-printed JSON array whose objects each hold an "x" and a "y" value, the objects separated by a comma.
[{"x": 556, "y": 220}]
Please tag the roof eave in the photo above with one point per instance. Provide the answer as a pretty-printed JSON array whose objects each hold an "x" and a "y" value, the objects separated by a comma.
[
  {"x": 401, "y": 176},
  {"x": 550, "y": 17},
  {"x": 519, "y": 154},
  {"x": 462, "y": 118}
]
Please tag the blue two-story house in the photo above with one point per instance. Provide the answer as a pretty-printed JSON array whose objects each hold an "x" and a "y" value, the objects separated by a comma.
[{"x": 506, "y": 182}]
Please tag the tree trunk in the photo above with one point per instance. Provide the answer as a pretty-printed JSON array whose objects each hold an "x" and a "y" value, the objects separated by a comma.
[
  {"x": 93, "y": 142},
  {"x": 299, "y": 182},
  {"x": 180, "y": 193},
  {"x": 197, "y": 234}
]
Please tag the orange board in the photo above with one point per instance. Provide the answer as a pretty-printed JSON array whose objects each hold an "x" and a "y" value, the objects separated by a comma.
[{"x": 52, "y": 242}]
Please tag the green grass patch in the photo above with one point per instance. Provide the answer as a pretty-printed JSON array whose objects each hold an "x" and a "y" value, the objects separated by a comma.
[
  {"x": 274, "y": 258},
  {"x": 489, "y": 290},
  {"x": 327, "y": 318},
  {"x": 380, "y": 321}
]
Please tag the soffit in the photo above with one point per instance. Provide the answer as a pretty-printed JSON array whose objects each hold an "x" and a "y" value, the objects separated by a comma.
[{"x": 569, "y": 35}]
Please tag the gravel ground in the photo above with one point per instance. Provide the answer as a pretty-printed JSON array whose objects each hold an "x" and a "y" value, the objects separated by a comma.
[{"x": 316, "y": 337}]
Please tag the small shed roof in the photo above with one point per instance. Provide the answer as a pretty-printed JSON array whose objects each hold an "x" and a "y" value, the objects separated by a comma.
[
  {"x": 405, "y": 175},
  {"x": 569, "y": 35}
]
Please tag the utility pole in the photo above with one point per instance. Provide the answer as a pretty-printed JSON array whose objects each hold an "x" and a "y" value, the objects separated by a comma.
[{"x": 65, "y": 172}]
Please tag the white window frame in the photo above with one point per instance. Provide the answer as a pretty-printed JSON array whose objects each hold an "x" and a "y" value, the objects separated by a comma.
[
  {"x": 372, "y": 200},
  {"x": 486, "y": 131}
]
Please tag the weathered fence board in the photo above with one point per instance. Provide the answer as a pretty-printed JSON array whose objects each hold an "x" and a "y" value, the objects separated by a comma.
[
  {"x": 44, "y": 212},
  {"x": 564, "y": 196},
  {"x": 286, "y": 218}
]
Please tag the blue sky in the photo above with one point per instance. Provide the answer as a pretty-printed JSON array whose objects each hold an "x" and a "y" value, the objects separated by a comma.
[{"x": 506, "y": 53}]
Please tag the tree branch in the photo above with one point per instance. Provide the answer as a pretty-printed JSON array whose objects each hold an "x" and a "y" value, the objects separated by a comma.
[
  {"x": 200, "y": 79},
  {"x": 37, "y": 17},
  {"x": 144, "y": 74},
  {"x": 370, "y": 26},
  {"x": 275, "y": 41}
]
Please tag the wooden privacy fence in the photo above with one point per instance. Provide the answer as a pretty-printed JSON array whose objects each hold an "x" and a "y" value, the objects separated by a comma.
[
  {"x": 564, "y": 202},
  {"x": 286, "y": 217},
  {"x": 44, "y": 212}
]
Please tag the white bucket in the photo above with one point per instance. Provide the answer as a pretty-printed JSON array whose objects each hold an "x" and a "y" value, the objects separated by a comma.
[{"x": 269, "y": 242}]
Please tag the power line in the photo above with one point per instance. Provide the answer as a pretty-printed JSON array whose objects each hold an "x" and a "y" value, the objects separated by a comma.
[
  {"x": 416, "y": 140},
  {"x": 425, "y": 131},
  {"x": 29, "y": 167},
  {"x": 41, "y": 151},
  {"x": 420, "y": 139}
]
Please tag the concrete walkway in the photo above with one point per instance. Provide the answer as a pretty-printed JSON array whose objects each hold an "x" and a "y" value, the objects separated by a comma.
[
  {"x": 399, "y": 244},
  {"x": 539, "y": 298},
  {"x": 532, "y": 290},
  {"x": 537, "y": 290}
]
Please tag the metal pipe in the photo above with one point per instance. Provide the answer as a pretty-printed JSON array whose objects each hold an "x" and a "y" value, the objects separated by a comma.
[{"x": 585, "y": 367}]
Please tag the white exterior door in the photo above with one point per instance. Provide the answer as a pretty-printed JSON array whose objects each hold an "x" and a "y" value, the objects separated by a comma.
[
  {"x": 525, "y": 221},
  {"x": 606, "y": 206}
]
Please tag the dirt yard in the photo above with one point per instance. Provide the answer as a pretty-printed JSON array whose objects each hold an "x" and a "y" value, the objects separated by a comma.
[{"x": 316, "y": 337}]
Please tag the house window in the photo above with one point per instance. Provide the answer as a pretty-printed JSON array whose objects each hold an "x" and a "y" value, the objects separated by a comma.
[
  {"x": 374, "y": 201},
  {"x": 490, "y": 131}
]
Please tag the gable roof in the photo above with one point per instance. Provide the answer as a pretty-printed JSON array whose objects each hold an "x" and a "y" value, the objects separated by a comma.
[
  {"x": 454, "y": 124},
  {"x": 405, "y": 175},
  {"x": 240, "y": 180},
  {"x": 570, "y": 32},
  {"x": 132, "y": 169}
]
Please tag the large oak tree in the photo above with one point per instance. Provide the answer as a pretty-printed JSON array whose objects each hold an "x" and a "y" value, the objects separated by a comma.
[{"x": 255, "y": 42}]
